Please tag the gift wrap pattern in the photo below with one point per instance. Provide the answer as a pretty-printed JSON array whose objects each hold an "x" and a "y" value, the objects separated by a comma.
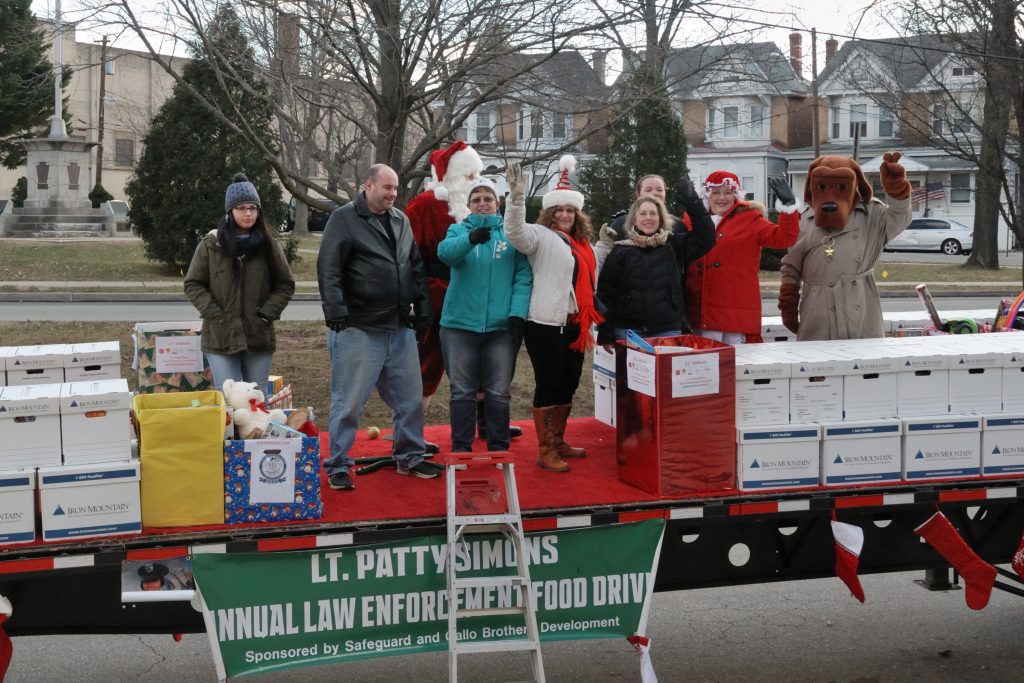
[{"x": 307, "y": 503}]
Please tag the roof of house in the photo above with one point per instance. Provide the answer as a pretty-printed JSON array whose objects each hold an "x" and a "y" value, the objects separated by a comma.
[
  {"x": 688, "y": 68},
  {"x": 907, "y": 60},
  {"x": 566, "y": 72}
]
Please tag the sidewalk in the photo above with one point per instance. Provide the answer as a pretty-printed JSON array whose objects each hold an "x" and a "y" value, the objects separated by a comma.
[{"x": 111, "y": 284}]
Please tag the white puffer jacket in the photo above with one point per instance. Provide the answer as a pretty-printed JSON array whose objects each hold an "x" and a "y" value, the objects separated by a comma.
[{"x": 553, "y": 299}]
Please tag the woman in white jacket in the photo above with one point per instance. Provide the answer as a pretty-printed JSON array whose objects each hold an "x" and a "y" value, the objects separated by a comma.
[{"x": 561, "y": 305}]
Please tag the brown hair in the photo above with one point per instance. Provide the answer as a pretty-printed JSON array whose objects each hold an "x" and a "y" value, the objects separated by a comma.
[
  {"x": 582, "y": 229},
  {"x": 640, "y": 183},
  {"x": 664, "y": 219}
]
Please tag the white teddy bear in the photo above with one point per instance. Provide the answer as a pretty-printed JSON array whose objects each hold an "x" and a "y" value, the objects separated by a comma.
[{"x": 249, "y": 414}]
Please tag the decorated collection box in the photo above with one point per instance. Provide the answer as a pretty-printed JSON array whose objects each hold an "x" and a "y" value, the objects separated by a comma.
[
  {"x": 98, "y": 360},
  {"x": 90, "y": 500},
  {"x": 94, "y": 422},
  {"x": 267, "y": 480},
  {"x": 778, "y": 456},
  {"x": 30, "y": 426},
  {"x": 676, "y": 416},
  {"x": 861, "y": 451},
  {"x": 17, "y": 506},
  {"x": 168, "y": 357},
  {"x": 941, "y": 447},
  {"x": 1002, "y": 444},
  {"x": 41, "y": 364}
]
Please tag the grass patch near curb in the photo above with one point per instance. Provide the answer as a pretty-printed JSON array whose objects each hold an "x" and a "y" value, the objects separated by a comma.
[{"x": 301, "y": 358}]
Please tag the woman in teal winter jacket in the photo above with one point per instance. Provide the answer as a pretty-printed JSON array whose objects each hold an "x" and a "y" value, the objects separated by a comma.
[{"x": 483, "y": 318}]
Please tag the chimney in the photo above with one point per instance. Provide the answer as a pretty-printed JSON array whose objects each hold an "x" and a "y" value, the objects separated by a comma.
[
  {"x": 288, "y": 44},
  {"x": 831, "y": 48},
  {"x": 796, "y": 54},
  {"x": 598, "y": 63}
]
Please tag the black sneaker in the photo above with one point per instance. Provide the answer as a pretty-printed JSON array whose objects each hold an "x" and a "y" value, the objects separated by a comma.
[
  {"x": 432, "y": 447},
  {"x": 423, "y": 470},
  {"x": 340, "y": 481}
]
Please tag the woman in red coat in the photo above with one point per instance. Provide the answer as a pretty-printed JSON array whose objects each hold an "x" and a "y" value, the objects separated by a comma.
[{"x": 723, "y": 294}]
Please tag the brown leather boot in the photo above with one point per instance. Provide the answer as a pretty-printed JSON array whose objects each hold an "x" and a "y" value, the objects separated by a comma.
[
  {"x": 561, "y": 447},
  {"x": 544, "y": 419}
]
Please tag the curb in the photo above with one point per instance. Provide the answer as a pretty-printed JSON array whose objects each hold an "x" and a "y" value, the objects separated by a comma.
[{"x": 110, "y": 297}]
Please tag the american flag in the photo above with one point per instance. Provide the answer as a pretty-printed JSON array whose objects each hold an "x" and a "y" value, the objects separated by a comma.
[{"x": 928, "y": 192}]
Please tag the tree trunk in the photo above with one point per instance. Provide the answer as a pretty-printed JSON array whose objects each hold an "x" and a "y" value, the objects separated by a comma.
[{"x": 995, "y": 123}]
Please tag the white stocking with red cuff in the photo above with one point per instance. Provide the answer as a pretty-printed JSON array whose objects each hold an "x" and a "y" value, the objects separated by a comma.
[
  {"x": 642, "y": 644},
  {"x": 849, "y": 542},
  {"x": 979, "y": 575},
  {"x": 6, "y": 647}
]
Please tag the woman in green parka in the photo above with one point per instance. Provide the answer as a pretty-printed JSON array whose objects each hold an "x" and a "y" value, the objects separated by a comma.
[{"x": 240, "y": 282}]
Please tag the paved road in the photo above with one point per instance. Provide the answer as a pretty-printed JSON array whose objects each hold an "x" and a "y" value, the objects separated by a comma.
[{"x": 798, "y": 631}]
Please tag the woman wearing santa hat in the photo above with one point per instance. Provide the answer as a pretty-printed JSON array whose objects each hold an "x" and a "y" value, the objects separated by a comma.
[
  {"x": 723, "y": 293},
  {"x": 561, "y": 304}
]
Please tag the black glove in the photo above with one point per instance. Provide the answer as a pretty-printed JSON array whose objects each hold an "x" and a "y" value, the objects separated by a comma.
[
  {"x": 684, "y": 192},
  {"x": 783, "y": 191},
  {"x": 516, "y": 326},
  {"x": 479, "y": 235},
  {"x": 339, "y": 324}
]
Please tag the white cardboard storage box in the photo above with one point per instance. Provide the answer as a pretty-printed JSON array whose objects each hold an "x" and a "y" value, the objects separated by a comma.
[
  {"x": 861, "y": 451},
  {"x": 604, "y": 398},
  {"x": 778, "y": 456},
  {"x": 1013, "y": 381},
  {"x": 941, "y": 447},
  {"x": 42, "y": 364},
  {"x": 30, "y": 426},
  {"x": 5, "y": 351},
  {"x": 1002, "y": 444},
  {"x": 762, "y": 388},
  {"x": 923, "y": 385},
  {"x": 870, "y": 389},
  {"x": 90, "y": 500},
  {"x": 94, "y": 422},
  {"x": 99, "y": 360},
  {"x": 17, "y": 506},
  {"x": 976, "y": 382},
  {"x": 816, "y": 389}
]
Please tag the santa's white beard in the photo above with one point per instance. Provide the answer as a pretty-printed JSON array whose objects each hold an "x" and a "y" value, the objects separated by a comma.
[{"x": 458, "y": 197}]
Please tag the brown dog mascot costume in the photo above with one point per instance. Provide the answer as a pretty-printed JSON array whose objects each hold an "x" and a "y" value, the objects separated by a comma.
[{"x": 842, "y": 235}]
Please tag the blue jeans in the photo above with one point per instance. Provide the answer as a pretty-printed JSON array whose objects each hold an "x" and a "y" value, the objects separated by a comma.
[
  {"x": 479, "y": 361},
  {"x": 361, "y": 360},
  {"x": 247, "y": 366}
]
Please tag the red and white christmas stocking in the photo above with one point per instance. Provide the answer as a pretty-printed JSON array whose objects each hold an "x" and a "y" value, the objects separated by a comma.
[
  {"x": 1018, "y": 559},
  {"x": 642, "y": 644},
  {"x": 849, "y": 542},
  {"x": 979, "y": 575},
  {"x": 6, "y": 647}
]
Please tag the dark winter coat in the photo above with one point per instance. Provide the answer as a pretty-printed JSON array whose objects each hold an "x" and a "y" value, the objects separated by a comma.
[
  {"x": 365, "y": 278},
  {"x": 238, "y": 301}
]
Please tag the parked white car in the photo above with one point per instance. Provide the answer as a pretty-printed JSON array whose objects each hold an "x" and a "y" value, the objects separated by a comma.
[{"x": 934, "y": 234}]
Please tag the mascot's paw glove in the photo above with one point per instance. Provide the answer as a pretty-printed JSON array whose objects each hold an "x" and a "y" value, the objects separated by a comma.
[
  {"x": 894, "y": 176},
  {"x": 789, "y": 303}
]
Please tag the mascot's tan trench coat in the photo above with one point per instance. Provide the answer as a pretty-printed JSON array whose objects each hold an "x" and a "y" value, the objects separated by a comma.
[{"x": 839, "y": 299}]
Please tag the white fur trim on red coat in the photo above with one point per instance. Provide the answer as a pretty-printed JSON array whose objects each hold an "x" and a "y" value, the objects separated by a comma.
[{"x": 789, "y": 208}]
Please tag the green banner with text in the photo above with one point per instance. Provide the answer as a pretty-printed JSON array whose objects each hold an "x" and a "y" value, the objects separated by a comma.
[{"x": 272, "y": 611}]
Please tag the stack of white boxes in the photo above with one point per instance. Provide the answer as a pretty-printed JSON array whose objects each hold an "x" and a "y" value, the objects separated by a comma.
[
  {"x": 604, "y": 386},
  {"x": 895, "y": 323},
  {"x": 958, "y": 399},
  {"x": 77, "y": 434}
]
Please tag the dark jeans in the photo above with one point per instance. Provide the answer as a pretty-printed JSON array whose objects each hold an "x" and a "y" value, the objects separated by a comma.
[
  {"x": 479, "y": 360},
  {"x": 556, "y": 367}
]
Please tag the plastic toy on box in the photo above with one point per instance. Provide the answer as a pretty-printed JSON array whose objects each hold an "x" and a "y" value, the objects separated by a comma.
[{"x": 1009, "y": 315}]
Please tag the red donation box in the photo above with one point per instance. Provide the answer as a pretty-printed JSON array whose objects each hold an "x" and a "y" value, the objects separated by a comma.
[{"x": 676, "y": 416}]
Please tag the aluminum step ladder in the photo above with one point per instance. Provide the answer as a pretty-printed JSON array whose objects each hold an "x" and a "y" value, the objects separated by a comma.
[{"x": 477, "y": 506}]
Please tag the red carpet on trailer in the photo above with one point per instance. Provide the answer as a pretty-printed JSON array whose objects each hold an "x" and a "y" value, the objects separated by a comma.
[{"x": 387, "y": 495}]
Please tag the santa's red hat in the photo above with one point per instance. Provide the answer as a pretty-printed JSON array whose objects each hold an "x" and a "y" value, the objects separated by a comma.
[
  {"x": 718, "y": 179},
  {"x": 458, "y": 160},
  {"x": 563, "y": 194}
]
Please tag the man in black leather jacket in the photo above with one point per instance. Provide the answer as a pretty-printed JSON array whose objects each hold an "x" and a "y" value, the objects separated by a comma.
[{"x": 373, "y": 289}]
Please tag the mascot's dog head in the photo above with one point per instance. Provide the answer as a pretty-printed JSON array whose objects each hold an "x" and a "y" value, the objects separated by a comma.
[{"x": 834, "y": 187}]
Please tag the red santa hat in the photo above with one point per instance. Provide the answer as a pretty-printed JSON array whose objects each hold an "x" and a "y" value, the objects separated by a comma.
[
  {"x": 563, "y": 194},
  {"x": 458, "y": 160},
  {"x": 718, "y": 179}
]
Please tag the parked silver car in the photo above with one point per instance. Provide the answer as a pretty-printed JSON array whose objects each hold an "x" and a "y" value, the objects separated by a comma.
[{"x": 934, "y": 234}]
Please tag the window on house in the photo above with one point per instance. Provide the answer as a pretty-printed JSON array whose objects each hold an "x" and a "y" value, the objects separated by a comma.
[
  {"x": 730, "y": 122},
  {"x": 747, "y": 183},
  {"x": 859, "y": 120},
  {"x": 124, "y": 152},
  {"x": 108, "y": 66},
  {"x": 885, "y": 125},
  {"x": 756, "y": 120},
  {"x": 558, "y": 128},
  {"x": 959, "y": 188},
  {"x": 963, "y": 71},
  {"x": 536, "y": 124},
  {"x": 938, "y": 117},
  {"x": 483, "y": 126},
  {"x": 462, "y": 133},
  {"x": 835, "y": 123},
  {"x": 711, "y": 123},
  {"x": 521, "y": 125}
]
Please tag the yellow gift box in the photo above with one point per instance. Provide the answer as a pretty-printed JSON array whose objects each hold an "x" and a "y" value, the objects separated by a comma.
[{"x": 181, "y": 449}]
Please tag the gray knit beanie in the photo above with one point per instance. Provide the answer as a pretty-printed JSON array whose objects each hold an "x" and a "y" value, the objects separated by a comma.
[{"x": 240, "y": 191}]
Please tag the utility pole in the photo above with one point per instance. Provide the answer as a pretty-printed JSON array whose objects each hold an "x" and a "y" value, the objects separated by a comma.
[
  {"x": 816, "y": 136},
  {"x": 99, "y": 120}
]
